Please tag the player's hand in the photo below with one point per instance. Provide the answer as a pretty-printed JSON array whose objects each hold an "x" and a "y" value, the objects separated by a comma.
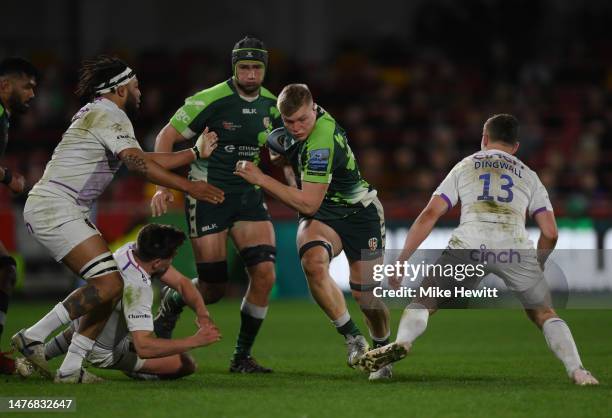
[
  {"x": 395, "y": 282},
  {"x": 250, "y": 172},
  {"x": 17, "y": 184},
  {"x": 201, "y": 190},
  {"x": 160, "y": 200},
  {"x": 206, "y": 335},
  {"x": 206, "y": 143}
]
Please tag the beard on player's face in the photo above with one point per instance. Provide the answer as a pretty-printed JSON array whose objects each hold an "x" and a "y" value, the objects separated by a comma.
[
  {"x": 132, "y": 105},
  {"x": 251, "y": 88},
  {"x": 17, "y": 104}
]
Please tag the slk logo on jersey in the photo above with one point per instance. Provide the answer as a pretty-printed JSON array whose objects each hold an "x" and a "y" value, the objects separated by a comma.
[
  {"x": 373, "y": 243},
  {"x": 249, "y": 111},
  {"x": 318, "y": 159}
]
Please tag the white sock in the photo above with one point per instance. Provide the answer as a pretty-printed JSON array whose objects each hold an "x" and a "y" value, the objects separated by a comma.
[
  {"x": 413, "y": 323},
  {"x": 57, "y": 317},
  {"x": 342, "y": 320},
  {"x": 255, "y": 311},
  {"x": 560, "y": 341},
  {"x": 78, "y": 350},
  {"x": 56, "y": 346}
]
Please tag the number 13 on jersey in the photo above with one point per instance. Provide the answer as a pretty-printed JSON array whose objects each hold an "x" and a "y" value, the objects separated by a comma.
[{"x": 506, "y": 186}]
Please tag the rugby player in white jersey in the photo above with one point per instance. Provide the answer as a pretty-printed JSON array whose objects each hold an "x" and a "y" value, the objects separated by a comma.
[
  {"x": 495, "y": 189},
  {"x": 127, "y": 341},
  {"x": 57, "y": 211}
]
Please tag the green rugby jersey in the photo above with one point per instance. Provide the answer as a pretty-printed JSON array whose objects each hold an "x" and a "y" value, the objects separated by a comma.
[
  {"x": 4, "y": 128},
  {"x": 241, "y": 126},
  {"x": 326, "y": 157}
]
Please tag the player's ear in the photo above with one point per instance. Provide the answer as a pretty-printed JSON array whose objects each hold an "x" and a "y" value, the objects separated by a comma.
[
  {"x": 516, "y": 147},
  {"x": 121, "y": 91}
]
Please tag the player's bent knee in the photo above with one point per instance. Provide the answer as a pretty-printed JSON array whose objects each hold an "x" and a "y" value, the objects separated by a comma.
[
  {"x": 188, "y": 364},
  {"x": 212, "y": 279},
  {"x": 258, "y": 254},
  {"x": 315, "y": 268},
  {"x": 213, "y": 292},
  {"x": 8, "y": 273}
]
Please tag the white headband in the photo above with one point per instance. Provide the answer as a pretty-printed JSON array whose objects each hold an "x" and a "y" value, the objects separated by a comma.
[{"x": 120, "y": 79}]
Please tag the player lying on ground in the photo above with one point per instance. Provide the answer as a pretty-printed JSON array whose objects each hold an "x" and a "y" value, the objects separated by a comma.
[
  {"x": 17, "y": 81},
  {"x": 99, "y": 139},
  {"x": 338, "y": 210},
  {"x": 127, "y": 341},
  {"x": 495, "y": 189},
  {"x": 240, "y": 110}
]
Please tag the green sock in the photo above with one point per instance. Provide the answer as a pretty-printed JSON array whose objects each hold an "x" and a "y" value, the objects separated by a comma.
[
  {"x": 349, "y": 328},
  {"x": 249, "y": 327},
  {"x": 380, "y": 343}
]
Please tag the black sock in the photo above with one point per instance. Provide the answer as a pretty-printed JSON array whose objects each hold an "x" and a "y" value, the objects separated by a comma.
[
  {"x": 348, "y": 329},
  {"x": 249, "y": 327}
]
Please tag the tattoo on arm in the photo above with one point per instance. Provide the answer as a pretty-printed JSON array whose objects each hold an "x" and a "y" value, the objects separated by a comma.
[{"x": 136, "y": 163}]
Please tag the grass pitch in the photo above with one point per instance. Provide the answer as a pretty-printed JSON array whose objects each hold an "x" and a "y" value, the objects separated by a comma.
[{"x": 469, "y": 363}]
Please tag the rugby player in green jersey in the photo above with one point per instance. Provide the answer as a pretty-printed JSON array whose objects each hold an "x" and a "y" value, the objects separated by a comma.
[
  {"x": 338, "y": 211},
  {"x": 17, "y": 82},
  {"x": 240, "y": 111}
]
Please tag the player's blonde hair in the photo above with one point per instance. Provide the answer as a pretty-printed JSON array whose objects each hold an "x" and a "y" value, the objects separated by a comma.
[{"x": 292, "y": 98}]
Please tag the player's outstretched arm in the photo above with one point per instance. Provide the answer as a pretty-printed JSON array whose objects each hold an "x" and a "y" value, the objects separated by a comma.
[
  {"x": 188, "y": 291},
  {"x": 306, "y": 201},
  {"x": 205, "y": 145},
  {"x": 148, "y": 346},
  {"x": 548, "y": 234},
  {"x": 137, "y": 161},
  {"x": 422, "y": 226}
]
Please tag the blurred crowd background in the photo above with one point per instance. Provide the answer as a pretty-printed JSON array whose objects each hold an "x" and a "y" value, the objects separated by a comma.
[{"x": 411, "y": 82}]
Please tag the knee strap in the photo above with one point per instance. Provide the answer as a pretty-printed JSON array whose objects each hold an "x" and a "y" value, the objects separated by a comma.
[
  {"x": 99, "y": 266},
  {"x": 258, "y": 254},
  {"x": 213, "y": 272},
  {"x": 312, "y": 244},
  {"x": 362, "y": 287}
]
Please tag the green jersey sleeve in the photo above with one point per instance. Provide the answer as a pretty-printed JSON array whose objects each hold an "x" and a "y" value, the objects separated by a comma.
[
  {"x": 317, "y": 160},
  {"x": 191, "y": 118}
]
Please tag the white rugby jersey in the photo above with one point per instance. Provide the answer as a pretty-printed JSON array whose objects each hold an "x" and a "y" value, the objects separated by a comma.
[
  {"x": 86, "y": 159},
  {"x": 134, "y": 312},
  {"x": 496, "y": 190}
]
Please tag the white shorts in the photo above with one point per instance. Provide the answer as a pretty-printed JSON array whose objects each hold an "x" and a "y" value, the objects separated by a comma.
[
  {"x": 57, "y": 224},
  {"x": 121, "y": 357},
  {"x": 519, "y": 270}
]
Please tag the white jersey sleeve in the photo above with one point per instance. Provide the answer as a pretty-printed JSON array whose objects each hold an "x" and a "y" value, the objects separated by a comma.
[
  {"x": 116, "y": 133},
  {"x": 449, "y": 188},
  {"x": 539, "y": 199}
]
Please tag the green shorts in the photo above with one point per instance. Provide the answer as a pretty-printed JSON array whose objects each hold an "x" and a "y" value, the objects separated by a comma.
[
  {"x": 362, "y": 234},
  {"x": 205, "y": 218}
]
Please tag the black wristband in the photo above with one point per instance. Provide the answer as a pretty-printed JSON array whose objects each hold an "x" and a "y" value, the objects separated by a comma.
[
  {"x": 8, "y": 176},
  {"x": 197, "y": 152}
]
